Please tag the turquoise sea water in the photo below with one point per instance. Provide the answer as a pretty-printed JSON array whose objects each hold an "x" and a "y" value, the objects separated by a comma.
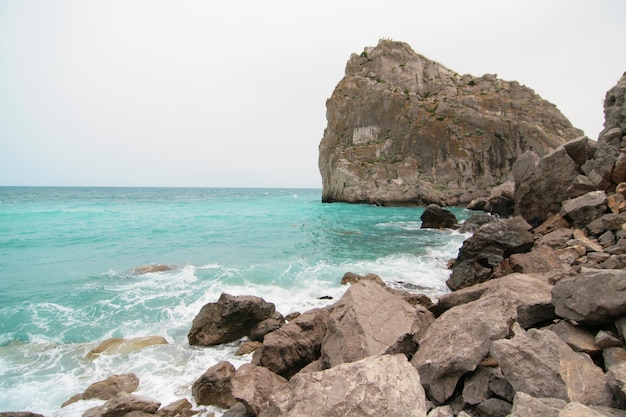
[{"x": 68, "y": 278}]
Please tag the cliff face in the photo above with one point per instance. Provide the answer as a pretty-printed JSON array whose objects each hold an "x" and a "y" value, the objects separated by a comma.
[{"x": 406, "y": 130}]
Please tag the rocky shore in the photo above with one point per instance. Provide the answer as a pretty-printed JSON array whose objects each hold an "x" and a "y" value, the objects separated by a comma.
[{"x": 535, "y": 324}]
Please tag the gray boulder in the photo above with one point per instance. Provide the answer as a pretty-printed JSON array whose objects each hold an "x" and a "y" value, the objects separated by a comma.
[
  {"x": 487, "y": 248},
  {"x": 586, "y": 208},
  {"x": 538, "y": 363},
  {"x": 375, "y": 386},
  {"x": 298, "y": 343},
  {"x": 228, "y": 319},
  {"x": 525, "y": 405},
  {"x": 592, "y": 296},
  {"x": 369, "y": 320}
]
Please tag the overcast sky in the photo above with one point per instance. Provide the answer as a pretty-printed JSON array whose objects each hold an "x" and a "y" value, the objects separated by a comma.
[{"x": 232, "y": 93}]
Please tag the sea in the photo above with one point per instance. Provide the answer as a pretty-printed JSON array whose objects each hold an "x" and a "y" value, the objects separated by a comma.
[{"x": 79, "y": 265}]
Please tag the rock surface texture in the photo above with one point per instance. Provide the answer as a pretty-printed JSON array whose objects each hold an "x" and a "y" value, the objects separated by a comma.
[{"x": 403, "y": 129}]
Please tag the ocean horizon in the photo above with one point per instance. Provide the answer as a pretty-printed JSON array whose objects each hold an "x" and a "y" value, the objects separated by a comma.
[{"x": 73, "y": 273}]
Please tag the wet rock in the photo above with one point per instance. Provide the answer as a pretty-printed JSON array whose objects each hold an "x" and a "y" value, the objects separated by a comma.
[
  {"x": 538, "y": 363},
  {"x": 295, "y": 345},
  {"x": 111, "y": 387},
  {"x": 19, "y": 414},
  {"x": 214, "y": 386},
  {"x": 435, "y": 217},
  {"x": 228, "y": 319},
  {"x": 369, "y": 320},
  {"x": 475, "y": 221},
  {"x": 248, "y": 347},
  {"x": 180, "y": 408},
  {"x": 122, "y": 405},
  {"x": 118, "y": 345},
  {"x": 147, "y": 269},
  {"x": 352, "y": 278},
  {"x": 592, "y": 296},
  {"x": 371, "y": 387}
]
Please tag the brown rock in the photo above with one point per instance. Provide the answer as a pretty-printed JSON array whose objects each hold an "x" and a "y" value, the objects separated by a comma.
[
  {"x": 371, "y": 387},
  {"x": 111, "y": 387},
  {"x": 586, "y": 208},
  {"x": 259, "y": 330},
  {"x": 551, "y": 224},
  {"x": 253, "y": 386},
  {"x": 295, "y": 345},
  {"x": 214, "y": 386},
  {"x": 237, "y": 410},
  {"x": 116, "y": 345},
  {"x": 248, "y": 347},
  {"x": 605, "y": 340},
  {"x": 19, "y": 414},
  {"x": 537, "y": 362},
  {"x": 435, "y": 217},
  {"x": 575, "y": 337},
  {"x": 368, "y": 320},
  {"x": 228, "y": 319},
  {"x": 180, "y": 408},
  {"x": 352, "y": 278},
  {"x": 122, "y": 405}
]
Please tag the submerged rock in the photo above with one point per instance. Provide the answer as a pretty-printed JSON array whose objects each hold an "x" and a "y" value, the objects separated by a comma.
[{"x": 117, "y": 345}]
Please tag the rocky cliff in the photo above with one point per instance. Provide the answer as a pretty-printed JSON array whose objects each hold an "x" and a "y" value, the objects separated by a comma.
[{"x": 403, "y": 129}]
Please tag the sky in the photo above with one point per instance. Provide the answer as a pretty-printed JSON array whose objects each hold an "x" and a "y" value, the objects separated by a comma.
[{"x": 195, "y": 93}]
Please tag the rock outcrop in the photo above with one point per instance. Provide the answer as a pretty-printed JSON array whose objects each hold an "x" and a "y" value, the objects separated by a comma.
[{"x": 403, "y": 129}]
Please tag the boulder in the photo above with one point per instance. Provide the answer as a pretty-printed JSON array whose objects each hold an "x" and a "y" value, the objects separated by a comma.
[
  {"x": 487, "y": 248},
  {"x": 477, "y": 203},
  {"x": 180, "y": 408},
  {"x": 578, "y": 339},
  {"x": 580, "y": 149},
  {"x": 584, "y": 209},
  {"x": 214, "y": 386},
  {"x": 476, "y": 388},
  {"x": 111, "y": 387},
  {"x": 375, "y": 386},
  {"x": 475, "y": 221},
  {"x": 237, "y": 410},
  {"x": 228, "y": 319},
  {"x": 576, "y": 409},
  {"x": 368, "y": 320},
  {"x": 258, "y": 331},
  {"x": 19, "y": 414},
  {"x": 441, "y": 411},
  {"x": 524, "y": 166},
  {"x": 253, "y": 385},
  {"x": 592, "y": 296},
  {"x": 600, "y": 168},
  {"x": 248, "y": 347},
  {"x": 538, "y": 363},
  {"x": 435, "y": 217},
  {"x": 540, "y": 196},
  {"x": 551, "y": 224},
  {"x": 525, "y": 405},
  {"x": 116, "y": 345},
  {"x": 122, "y": 405},
  {"x": 606, "y": 339},
  {"x": 494, "y": 407},
  {"x": 298, "y": 343},
  {"x": 617, "y": 380},
  {"x": 539, "y": 260},
  {"x": 351, "y": 278},
  {"x": 580, "y": 185},
  {"x": 608, "y": 222}
]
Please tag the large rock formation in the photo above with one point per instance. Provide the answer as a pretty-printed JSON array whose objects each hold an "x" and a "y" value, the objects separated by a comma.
[{"x": 403, "y": 129}]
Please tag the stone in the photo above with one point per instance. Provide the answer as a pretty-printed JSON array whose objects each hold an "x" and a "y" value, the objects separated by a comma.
[
  {"x": 458, "y": 341},
  {"x": 525, "y": 405},
  {"x": 117, "y": 345},
  {"x": 571, "y": 254},
  {"x": 214, "y": 386},
  {"x": 152, "y": 268},
  {"x": 475, "y": 221},
  {"x": 524, "y": 166},
  {"x": 435, "y": 217},
  {"x": 237, "y": 410},
  {"x": 228, "y": 319},
  {"x": 620, "y": 325},
  {"x": 19, "y": 414},
  {"x": 500, "y": 206},
  {"x": 403, "y": 129},
  {"x": 477, "y": 203},
  {"x": 586, "y": 208},
  {"x": 375, "y": 386},
  {"x": 298, "y": 343},
  {"x": 494, "y": 407},
  {"x": 616, "y": 376},
  {"x": 606, "y": 239},
  {"x": 476, "y": 387},
  {"x": 352, "y": 278},
  {"x": 614, "y": 356},
  {"x": 111, "y": 387},
  {"x": 248, "y": 347},
  {"x": 578, "y": 339},
  {"x": 605, "y": 340},
  {"x": 539, "y": 260},
  {"x": 600, "y": 167},
  {"x": 540, "y": 196},
  {"x": 608, "y": 222},
  {"x": 580, "y": 149},
  {"x": 253, "y": 385},
  {"x": 123, "y": 405},
  {"x": 179, "y": 408},
  {"x": 592, "y": 296},
  {"x": 258, "y": 331},
  {"x": 616, "y": 203},
  {"x": 538, "y": 363},
  {"x": 368, "y": 320},
  {"x": 487, "y": 248},
  {"x": 441, "y": 411},
  {"x": 556, "y": 239},
  {"x": 580, "y": 185},
  {"x": 576, "y": 409}
]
